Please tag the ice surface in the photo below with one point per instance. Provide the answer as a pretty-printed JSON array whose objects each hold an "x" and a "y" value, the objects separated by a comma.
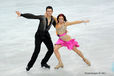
[{"x": 95, "y": 38}]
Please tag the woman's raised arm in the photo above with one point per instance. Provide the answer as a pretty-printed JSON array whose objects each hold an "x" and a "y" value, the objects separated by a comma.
[{"x": 76, "y": 22}]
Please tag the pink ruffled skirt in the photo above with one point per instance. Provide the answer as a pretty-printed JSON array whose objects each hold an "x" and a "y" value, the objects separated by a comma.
[{"x": 69, "y": 44}]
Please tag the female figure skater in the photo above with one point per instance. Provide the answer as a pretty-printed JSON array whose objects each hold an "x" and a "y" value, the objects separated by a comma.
[{"x": 65, "y": 40}]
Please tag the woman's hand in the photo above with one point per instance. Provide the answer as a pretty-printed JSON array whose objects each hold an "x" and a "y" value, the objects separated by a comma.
[
  {"x": 86, "y": 21},
  {"x": 45, "y": 15},
  {"x": 18, "y": 13}
]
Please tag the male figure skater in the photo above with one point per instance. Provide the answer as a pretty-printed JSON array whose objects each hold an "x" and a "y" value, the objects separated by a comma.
[{"x": 42, "y": 35}]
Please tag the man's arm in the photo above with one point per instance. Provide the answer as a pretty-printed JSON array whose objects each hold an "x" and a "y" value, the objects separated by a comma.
[
  {"x": 55, "y": 21},
  {"x": 28, "y": 15},
  {"x": 76, "y": 22}
]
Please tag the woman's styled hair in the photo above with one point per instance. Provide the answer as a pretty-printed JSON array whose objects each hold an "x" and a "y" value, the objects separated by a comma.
[{"x": 62, "y": 16}]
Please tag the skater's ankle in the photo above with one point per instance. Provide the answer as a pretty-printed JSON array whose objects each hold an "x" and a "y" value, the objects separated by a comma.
[{"x": 60, "y": 62}]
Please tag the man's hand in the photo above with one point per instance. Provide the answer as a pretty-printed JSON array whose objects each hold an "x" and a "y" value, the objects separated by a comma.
[{"x": 18, "y": 13}]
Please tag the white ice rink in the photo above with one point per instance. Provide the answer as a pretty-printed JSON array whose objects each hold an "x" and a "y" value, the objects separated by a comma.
[{"x": 96, "y": 39}]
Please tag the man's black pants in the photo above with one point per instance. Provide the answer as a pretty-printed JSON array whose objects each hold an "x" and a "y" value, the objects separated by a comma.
[{"x": 39, "y": 38}]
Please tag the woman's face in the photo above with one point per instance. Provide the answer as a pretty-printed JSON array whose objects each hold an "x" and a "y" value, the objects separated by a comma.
[{"x": 61, "y": 19}]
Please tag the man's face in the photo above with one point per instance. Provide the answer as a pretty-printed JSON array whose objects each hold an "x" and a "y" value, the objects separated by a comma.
[{"x": 49, "y": 12}]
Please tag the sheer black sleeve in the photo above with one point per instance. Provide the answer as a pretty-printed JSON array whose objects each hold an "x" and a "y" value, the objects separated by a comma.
[
  {"x": 54, "y": 23},
  {"x": 31, "y": 16}
]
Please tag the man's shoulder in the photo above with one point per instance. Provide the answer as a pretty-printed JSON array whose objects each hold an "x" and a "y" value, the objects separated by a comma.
[
  {"x": 54, "y": 18},
  {"x": 41, "y": 16}
]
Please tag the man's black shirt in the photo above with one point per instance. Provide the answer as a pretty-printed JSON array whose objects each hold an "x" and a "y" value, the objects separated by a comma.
[{"x": 43, "y": 25}]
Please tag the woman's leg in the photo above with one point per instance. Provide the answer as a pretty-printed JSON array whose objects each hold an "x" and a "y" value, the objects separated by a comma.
[
  {"x": 81, "y": 55},
  {"x": 56, "y": 48}
]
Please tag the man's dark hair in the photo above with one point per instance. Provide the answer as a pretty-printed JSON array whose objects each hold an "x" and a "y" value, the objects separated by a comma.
[{"x": 49, "y": 7}]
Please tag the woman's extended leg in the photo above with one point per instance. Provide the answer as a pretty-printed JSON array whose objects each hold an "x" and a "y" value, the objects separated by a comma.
[
  {"x": 81, "y": 55},
  {"x": 60, "y": 64}
]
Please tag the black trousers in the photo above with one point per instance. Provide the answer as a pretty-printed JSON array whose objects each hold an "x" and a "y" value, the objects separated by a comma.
[{"x": 39, "y": 38}]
